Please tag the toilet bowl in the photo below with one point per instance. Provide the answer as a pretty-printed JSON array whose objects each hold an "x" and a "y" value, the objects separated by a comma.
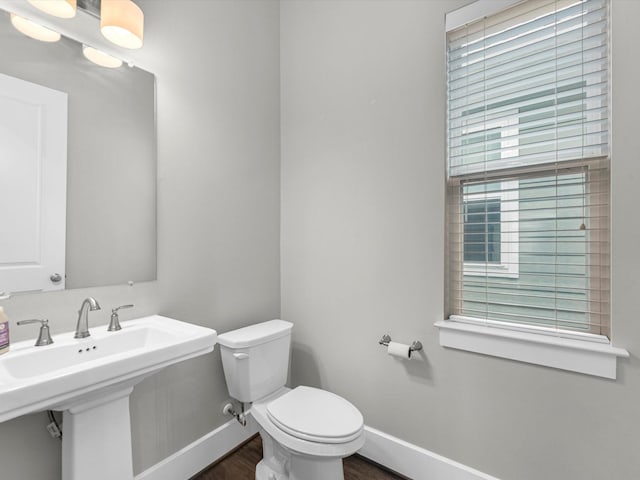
[{"x": 305, "y": 431}]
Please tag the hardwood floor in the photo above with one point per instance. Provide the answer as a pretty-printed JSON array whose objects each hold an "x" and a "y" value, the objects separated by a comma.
[{"x": 241, "y": 465}]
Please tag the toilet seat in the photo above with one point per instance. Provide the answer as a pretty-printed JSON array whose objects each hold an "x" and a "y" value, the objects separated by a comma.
[
  {"x": 299, "y": 446},
  {"x": 316, "y": 415}
]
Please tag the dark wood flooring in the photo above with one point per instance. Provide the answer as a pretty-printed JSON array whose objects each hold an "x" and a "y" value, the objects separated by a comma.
[{"x": 241, "y": 465}]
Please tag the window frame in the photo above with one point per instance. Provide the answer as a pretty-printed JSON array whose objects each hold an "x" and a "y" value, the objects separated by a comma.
[{"x": 582, "y": 352}]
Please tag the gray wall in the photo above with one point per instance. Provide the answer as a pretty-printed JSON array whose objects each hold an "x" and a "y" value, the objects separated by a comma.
[
  {"x": 363, "y": 148},
  {"x": 217, "y": 70},
  {"x": 219, "y": 205}
]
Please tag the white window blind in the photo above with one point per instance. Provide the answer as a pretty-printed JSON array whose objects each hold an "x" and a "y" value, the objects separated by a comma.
[{"x": 528, "y": 167}]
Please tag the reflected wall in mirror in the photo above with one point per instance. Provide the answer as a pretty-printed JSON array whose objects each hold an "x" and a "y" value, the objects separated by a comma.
[{"x": 111, "y": 157}]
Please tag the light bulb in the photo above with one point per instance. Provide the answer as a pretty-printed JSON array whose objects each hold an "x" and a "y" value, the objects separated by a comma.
[
  {"x": 100, "y": 58},
  {"x": 33, "y": 29},
  {"x": 57, "y": 8},
  {"x": 122, "y": 22}
]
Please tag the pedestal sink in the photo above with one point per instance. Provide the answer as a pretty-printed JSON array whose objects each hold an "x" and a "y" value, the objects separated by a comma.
[{"x": 90, "y": 381}]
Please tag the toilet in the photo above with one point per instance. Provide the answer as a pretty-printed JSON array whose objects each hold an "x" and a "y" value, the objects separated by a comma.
[{"x": 306, "y": 431}]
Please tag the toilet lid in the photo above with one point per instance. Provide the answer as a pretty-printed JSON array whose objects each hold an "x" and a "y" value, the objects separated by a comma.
[{"x": 316, "y": 415}]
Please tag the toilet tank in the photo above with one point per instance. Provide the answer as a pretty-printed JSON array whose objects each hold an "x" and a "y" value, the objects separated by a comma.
[{"x": 256, "y": 359}]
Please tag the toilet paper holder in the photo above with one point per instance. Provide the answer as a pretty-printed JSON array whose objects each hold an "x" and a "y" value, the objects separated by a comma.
[{"x": 414, "y": 347}]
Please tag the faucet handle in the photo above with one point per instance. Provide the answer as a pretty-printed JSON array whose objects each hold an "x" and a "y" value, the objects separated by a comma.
[
  {"x": 114, "y": 310},
  {"x": 114, "y": 324},
  {"x": 44, "y": 337}
]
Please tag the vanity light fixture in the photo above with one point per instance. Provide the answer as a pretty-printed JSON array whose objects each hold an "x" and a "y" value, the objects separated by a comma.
[
  {"x": 122, "y": 22},
  {"x": 33, "y": 29},
  {"x": 57, "y": 8},
  {"x": 100, "y": 58}
]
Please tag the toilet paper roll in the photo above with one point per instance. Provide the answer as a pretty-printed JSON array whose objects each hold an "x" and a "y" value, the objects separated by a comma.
[{"x": 396, "y": 349}]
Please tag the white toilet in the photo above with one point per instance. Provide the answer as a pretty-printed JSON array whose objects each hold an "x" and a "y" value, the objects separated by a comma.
[{"x": 305, "y": 431}]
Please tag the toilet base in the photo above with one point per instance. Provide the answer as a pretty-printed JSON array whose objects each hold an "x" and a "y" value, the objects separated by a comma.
[{"x": 278, "y": 463}]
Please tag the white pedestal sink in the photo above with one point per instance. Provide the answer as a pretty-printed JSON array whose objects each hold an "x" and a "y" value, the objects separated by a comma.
[{"x": 90, "y": 380}]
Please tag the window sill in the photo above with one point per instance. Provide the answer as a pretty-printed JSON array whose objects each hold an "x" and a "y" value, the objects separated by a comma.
[
  {"x": 576, "y": 355},
  {"x": 488, "y": 270}
]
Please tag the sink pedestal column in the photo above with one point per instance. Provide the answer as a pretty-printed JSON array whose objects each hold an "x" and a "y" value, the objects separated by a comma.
[{"x": 96, "y": 440}]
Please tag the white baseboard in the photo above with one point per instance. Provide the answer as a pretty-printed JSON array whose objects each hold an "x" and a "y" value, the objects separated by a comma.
[
  {"x": 391, "y": 452},
  {"x": 196, "y": 456},
  {"x": 414, "y": 462}
]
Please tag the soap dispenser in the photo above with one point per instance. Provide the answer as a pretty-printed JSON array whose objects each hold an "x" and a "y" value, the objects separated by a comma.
[{"x": 4, "y": 332}]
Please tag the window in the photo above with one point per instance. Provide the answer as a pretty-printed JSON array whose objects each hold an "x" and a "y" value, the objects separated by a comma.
[
  {"x": 482, "y": 231},
  {"x": 528, "y": 169},
  {"x": 490, "y": 231}
]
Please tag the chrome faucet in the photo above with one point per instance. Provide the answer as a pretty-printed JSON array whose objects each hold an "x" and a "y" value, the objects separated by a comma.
[
  {"x": 44, "y": 337},
  {"x": 114, "y": 324},
  {"x": 82, "y": 328}
]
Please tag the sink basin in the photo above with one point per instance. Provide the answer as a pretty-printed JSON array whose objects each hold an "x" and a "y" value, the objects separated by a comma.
[{"x": 55, "y": 376}]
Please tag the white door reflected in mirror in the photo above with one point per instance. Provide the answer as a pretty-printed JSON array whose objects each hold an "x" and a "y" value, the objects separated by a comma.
[{"x": 33, "y": 178}]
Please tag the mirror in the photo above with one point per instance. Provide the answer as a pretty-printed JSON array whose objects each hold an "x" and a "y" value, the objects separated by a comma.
[{"x": 111, "y": 157}]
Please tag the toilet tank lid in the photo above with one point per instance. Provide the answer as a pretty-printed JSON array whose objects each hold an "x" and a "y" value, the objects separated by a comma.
[{"x": 255, "y": 334}]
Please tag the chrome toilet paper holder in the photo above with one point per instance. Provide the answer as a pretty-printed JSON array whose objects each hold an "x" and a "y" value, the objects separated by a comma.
[{"x": 414, "y": 347}]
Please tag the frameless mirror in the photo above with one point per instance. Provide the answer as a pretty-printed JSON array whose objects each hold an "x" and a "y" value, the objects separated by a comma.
[{"x": 111, "y": 158}]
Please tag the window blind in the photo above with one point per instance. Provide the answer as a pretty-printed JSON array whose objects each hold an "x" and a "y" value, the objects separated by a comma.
[{"x": 528, "y": 167}]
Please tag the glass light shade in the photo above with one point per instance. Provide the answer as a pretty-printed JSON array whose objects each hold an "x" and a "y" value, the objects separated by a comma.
[
  {"x": 100, "y": 58},
  {"x": 33, "y": 29},
  {"x": 122, "y": 22},
  {"x": 57, "y": 8}
]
